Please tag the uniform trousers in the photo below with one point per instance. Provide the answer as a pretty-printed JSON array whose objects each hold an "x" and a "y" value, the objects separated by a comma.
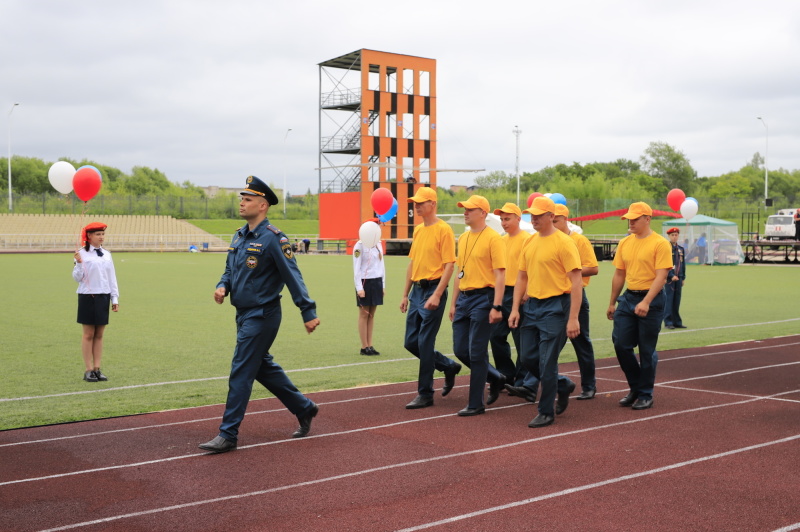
[
  {"x": 471, "y": 332},
  {"x": 672, "y": 315},
  {"x": 631, "y": 331},
  {"x": 256, "y": 329},
  {"x": 422, "y": 326},
  {"x": 501, "y": 349},
  {"x": 543, "y": 335},
  {"x": 584, "y": 349}
]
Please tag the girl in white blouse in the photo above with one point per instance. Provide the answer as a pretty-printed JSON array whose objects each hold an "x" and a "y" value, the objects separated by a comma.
[
  {"x": 369, "y": 275},
  {"x": 97, "y": 289}
]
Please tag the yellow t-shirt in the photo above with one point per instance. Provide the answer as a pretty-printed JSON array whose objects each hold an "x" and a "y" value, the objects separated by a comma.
[
  {"x": 641, "y": 257},
  {"x": 585, "y": 250},
  {"x": 547, "y": 260},
  {"x": 432, "y": 247},
  {"x": 479, "y": 254},
  {"x": 513, "y": 250}
]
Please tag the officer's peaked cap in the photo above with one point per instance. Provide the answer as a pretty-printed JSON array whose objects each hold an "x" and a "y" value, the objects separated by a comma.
[{"x": 255, "y": 187}]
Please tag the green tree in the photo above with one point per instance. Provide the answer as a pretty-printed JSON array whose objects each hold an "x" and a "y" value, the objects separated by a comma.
[
  {"x": 494, "y": 180},
  {"x": 670, "y": 165},
  {"x": 733, "y": 185}
]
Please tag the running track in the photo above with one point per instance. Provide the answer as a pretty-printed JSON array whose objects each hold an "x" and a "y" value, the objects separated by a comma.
[{"x": 720, "y": 450}]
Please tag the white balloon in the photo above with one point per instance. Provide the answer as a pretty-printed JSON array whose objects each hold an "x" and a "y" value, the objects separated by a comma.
[
  {"x": 370, "y": 234},
  {"x": 547, "y": 195},
  {"x": 60, "y": 175},
  {"x": 689, "y": 209}
]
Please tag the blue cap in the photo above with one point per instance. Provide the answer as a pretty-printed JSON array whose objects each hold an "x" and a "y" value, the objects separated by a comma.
[{"x": 256, "y": 187}]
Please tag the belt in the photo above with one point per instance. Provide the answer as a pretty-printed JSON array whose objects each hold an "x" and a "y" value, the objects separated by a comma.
[
  {"x": 427, "y": 283},
  {"x": 638, "y": 292},
  {"x": 486, "y": 290}
]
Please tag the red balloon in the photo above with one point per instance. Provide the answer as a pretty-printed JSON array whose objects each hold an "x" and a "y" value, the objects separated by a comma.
[
  {"x": 382, "y": 200},
  {"x": 86, "y": 182},
  {"x": 675, "y": 199},
  {"x": 533, "y": 197}
]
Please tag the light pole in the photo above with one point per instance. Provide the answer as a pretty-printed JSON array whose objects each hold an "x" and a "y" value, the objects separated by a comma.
[
  {"x": 10, "y": 202},
  {"x": 766, "y": 166},
  {"x": 517, "y": 132},
  {"x": 284, "y": 172}
]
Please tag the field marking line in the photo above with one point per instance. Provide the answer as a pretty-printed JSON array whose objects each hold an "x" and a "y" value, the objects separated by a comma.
[
  {"x": 788, "y": 528},
  {"x": 400, "y": 423},
  {"x": 453, "y": 456},
  {"x": 371, "y": 397},
  {"x": 602, "y": 483}
]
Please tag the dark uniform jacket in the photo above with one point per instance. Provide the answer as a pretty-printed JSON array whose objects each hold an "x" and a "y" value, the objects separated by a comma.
[
  {"x": 679, "y": 263},
  {"x": 259, "y": 264}
]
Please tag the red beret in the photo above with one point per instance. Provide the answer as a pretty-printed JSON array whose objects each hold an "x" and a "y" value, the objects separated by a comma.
[{"x": 673, "y": 230}]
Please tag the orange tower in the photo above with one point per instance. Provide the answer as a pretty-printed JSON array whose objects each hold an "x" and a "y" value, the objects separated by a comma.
[{"x": 377, "y": 128}]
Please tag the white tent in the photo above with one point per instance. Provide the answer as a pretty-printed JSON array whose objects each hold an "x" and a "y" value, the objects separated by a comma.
[{"x": 722, "y": 239}]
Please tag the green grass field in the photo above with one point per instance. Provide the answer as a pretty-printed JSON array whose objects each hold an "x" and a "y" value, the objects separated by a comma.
[{"x": 170, "y": 345}]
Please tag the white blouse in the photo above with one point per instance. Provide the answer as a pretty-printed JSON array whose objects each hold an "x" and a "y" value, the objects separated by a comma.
[
  {"x": 96, "y": 275},
  {"x": 367, "y": 264}
]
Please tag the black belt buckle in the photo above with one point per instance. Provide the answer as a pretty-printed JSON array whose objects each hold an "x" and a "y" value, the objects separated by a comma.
[{"x": 428, "y": 283}]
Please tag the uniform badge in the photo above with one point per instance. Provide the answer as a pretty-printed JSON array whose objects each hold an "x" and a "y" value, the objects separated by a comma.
[
  {"x": 357, "y": 253},
  {"x": 249, "y": 180},
  {"x": 251, "y": 262},
  {"x": 287, "y": 250}
]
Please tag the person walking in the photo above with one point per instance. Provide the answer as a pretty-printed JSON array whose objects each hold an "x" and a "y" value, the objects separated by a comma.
[
  {"x": 260, "y": 263},
  {"x": 550, "y": 274},
  {"x": 94, "y": 272},
  {"x": 676, "y": 277},
  {"x": 369, "y": 275},
  {"x": 584, "y": 350},
  {"x": 478, "y": 302},
  {"x": 430, "y": 267},
  {"x": 642, "y": 262}
]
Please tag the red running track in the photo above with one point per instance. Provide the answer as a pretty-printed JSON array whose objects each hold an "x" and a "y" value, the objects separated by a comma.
[{"x": 720, "y": 450}]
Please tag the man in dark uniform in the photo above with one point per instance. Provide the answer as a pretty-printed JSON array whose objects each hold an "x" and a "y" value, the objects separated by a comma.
[
  {"x": 675, "y": 279},
  {"x": 260, "y": 262}
]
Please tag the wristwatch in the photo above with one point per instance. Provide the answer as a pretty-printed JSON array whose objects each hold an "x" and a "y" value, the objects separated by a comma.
[{"x": 498, "y": 308}]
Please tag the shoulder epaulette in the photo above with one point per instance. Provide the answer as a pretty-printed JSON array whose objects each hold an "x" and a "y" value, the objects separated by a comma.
[{"x": 273, "y": 229}]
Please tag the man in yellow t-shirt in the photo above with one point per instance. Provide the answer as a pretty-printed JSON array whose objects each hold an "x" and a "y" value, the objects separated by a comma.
[
  {"x": 429, "y": 270},
  {"x": 514, "y": 373},
  {"x": 642, "y": 260},
  {"x": 550, "y": 274},
  {"x": 477, "y": 302},
  {"x": 582, "y": 343}
]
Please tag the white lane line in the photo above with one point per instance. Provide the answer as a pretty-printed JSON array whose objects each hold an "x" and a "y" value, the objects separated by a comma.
[
  {"x": 396, "y": 424},
  {"x": 788, "y": 528},
  {"x": 423, "y": 462},
  {"x": 725, "y": 374},
  {"x": 602, "y": 483}
]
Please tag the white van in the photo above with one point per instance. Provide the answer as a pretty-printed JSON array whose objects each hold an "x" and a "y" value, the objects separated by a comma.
[{"x": 780, "y": 226}]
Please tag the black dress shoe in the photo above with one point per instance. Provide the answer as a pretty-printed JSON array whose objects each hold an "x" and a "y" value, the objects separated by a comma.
[
  {"x": 586, "y": 394},
  {"x": 471, "y": 411},
  {"x": 373, "y": 351},
  {"x": 542, "y": 420},
  {"x": 494, "y": 390},
  {"x": 449, "y": 379},
  {"x": 680, "y": 326},
  {"x": 629, "y": 399},
  {"x": 420, "y": 402},
  {"x": 99, "y": 375},
  {"x": 218, "y": 445},
  {"x": 521, "y": 391},
  {"x": 669, "y": 326},
  {"x": 305, "y": 422},
  {"x": 89, "y": 376},
  {"x": 643, "y": 403},
  {"x": 562, "y": 401}
]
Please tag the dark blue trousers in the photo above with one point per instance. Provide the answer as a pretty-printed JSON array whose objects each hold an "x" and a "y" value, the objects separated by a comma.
[
  {"x": 631, "y": 331},
  {"x": 543, "y": 335},
  {"x": 501, "y": 349},
  {"x": 471, "y": 332},
  {"x": 422, "y": 326},
  {"x": 672, "y": 315},
  {"x": 256, "y": 329},
  {"x": 584, "y": 349}
]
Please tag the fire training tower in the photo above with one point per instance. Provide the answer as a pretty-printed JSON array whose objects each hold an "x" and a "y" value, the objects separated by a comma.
[{"x": 377, "y": 128}]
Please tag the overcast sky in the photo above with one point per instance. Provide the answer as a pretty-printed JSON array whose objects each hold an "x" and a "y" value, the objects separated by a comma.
[{"x": 206, "y": 91}]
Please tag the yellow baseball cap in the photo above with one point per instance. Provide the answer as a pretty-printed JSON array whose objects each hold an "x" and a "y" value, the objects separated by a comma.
[
  {"x": 424, "y": 194},
  {"x": 476, "y": 202},
  {"x": 541, "y": 205},
  {"x": 637, "y": 210},
  {"x": 509, "y": 208},
  {"x": 562, "y": 210}
]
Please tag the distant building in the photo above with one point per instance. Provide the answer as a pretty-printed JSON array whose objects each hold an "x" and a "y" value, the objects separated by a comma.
[{"x": 455, "y": 189}]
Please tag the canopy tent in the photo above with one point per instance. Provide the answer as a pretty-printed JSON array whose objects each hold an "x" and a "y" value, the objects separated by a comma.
[{"x": 721, "y": 236}]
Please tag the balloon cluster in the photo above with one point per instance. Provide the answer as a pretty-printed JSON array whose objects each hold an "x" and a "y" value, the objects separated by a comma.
[
  {"x": 677, "y": 201},
  {"x": 556, "y": 197},
  {"x": 384, "y": 204},
  {"x": 86, "y": 180}
]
